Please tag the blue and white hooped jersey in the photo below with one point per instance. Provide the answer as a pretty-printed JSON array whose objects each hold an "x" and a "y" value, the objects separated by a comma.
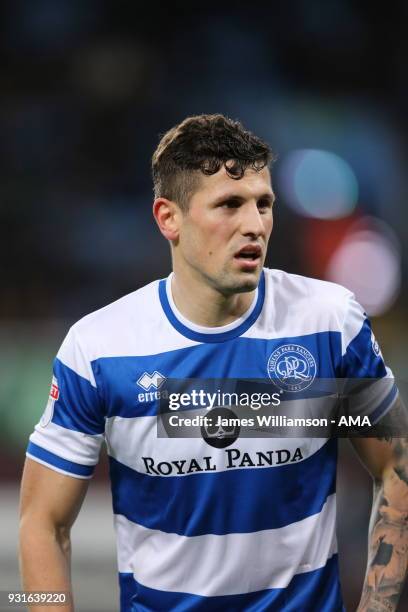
[{"x": 198, "y": 527}]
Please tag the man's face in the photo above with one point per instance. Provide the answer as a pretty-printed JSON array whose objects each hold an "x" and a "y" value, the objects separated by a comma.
[{"x": 225, "y": 232}]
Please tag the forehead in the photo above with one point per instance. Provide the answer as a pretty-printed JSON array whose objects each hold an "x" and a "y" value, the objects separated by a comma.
[{"x": 252, "y": 184}]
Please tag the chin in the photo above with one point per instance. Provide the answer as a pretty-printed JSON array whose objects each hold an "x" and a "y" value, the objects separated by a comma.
[
  {"x": 242, "y": 283},
  {"x": 246, "y": 285}
]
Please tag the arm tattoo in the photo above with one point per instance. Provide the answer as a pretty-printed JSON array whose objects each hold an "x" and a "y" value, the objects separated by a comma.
[{"x": 388, "y": 551}]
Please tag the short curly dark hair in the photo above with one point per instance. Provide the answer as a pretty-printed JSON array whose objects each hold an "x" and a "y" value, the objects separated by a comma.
[{"x": 201, "y": 144}]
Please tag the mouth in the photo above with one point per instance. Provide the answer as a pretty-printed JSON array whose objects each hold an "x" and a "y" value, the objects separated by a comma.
[{"x": 249, "y": 256}]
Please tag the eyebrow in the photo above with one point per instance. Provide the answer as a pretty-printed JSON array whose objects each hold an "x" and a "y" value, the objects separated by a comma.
[{"x": 238, "y": 198}]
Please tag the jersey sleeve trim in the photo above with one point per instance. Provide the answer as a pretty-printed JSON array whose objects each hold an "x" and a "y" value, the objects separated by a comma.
[
  {"x": 68, "y": 444},
  {"x": 41, "y": 455},
  {"x": 384, "y": 406}
]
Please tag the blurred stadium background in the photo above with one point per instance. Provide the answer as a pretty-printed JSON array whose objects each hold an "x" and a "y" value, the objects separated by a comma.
[{"x": 87, "y": 87}]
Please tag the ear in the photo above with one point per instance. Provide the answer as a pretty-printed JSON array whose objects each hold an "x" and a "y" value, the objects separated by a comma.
[{"x": 167, "y": 215}]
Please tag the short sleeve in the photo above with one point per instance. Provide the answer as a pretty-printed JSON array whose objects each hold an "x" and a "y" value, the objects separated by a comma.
[
  {"x": 69, "y": 434},
  {"x": 371, "y": 390}
]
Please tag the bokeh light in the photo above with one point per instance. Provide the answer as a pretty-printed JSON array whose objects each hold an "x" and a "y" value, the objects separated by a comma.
[
  {"x": 368, "y": 263},
  {"x": 318, "y": 183}
]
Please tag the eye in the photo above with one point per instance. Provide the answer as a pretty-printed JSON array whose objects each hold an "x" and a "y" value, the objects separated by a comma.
[
  {"x": 264, "y": 204},
  {"x": 229, "y": 204}
]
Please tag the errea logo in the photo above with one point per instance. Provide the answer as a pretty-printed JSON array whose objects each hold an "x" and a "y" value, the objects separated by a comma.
[{"x": 149, "y": 381}]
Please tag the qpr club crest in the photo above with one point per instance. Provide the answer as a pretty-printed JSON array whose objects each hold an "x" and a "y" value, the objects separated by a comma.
[{"x": 291, "y": 367}]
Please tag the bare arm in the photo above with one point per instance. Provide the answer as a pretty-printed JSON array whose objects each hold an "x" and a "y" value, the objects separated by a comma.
[
  {"x": 49, "y": 505},
  {"x": 387, "y": 461}
]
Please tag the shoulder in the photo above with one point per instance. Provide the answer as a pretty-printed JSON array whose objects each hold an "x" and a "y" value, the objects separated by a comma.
[
  {"x": 112, "y": 327},
  {"x": 298, "y": 305},
  {"x": 129, "y": 306},
  {"x": 303, "y": 286},
  {"x": 293, "y": 288}
]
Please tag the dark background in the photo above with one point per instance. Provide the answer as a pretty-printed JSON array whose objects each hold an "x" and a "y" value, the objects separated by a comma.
[{"x": 87, "y": 87}]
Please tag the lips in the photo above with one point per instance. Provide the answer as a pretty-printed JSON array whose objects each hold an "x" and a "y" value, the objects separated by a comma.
[
  {"x": 249, "y": 258},
  {"x": 249, "y": 252}
]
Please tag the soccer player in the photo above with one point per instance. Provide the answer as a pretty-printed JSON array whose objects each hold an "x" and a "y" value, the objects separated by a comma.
[{"x": 248, "y": 524}]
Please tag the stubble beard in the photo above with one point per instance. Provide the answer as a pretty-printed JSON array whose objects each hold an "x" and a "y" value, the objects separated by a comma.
[{"x": 229, "y": 283}]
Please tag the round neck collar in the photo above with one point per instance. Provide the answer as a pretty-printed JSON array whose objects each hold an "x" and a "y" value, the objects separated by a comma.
[{"x": 210, "y": 334}]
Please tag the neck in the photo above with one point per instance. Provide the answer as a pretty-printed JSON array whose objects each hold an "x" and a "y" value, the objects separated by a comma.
[{"x": 204, "y": 305}]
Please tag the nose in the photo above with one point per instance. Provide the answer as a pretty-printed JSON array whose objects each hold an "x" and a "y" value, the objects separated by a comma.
[{"x": 251, "y": 221}]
